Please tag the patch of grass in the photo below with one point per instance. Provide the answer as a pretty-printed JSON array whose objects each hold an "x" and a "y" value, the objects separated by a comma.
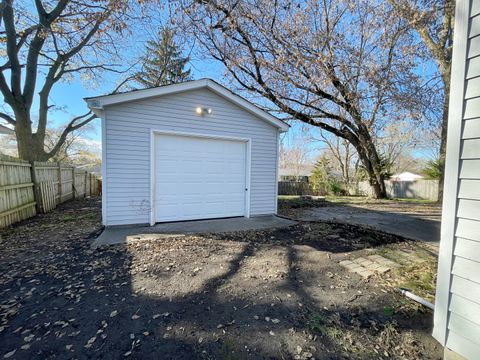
[
  {"x": 388, "y": 311},
  {"x": 390, "y": 254},
  {"x": 420, "y": 279},
  {"x": 348, "y": 199},
  {"x": 317, "y": 323},
  {"x": 321, "y": 325},
  {"x": 227, "y": 351},
  {"x": 68, "y": 218},
  {"x": 418, "y": 276},
  {"x": 417, "y": 201}
]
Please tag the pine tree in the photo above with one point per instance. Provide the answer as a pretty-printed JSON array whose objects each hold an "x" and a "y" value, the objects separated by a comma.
[
  {"x": 321, "y": 176},
  {"x": 163, "y": 62}
]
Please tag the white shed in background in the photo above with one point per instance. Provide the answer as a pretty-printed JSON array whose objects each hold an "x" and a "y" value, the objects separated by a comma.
[
  {"x": 457, "y": 302},
  {"x": 406, "y": 176},
  {"x": 4, "y": 130},
  {"x": 186, "y": 151}
]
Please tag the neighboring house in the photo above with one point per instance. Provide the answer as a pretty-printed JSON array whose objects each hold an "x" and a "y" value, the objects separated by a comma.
[
  {"x": 186, "y": 151},
  {"x": 6, "y": 131},
  {"x": 292, "y": 174},
  {"x": 457, "y": 302},
  {"x": 406, "y": 176}
]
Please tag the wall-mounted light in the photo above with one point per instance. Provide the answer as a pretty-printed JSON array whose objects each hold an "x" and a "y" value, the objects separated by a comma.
[{"x": 200, "y": 110}]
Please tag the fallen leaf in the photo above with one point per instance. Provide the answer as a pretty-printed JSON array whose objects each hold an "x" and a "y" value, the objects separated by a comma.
[
  {"x": 90, "y": 342},
  {"x": 113, "y": 313},
  {"x": 135, "y": 317},
  {"x": 9, "y": 354}
]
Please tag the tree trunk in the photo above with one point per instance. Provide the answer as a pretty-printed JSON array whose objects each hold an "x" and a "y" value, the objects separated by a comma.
[
  {"x": 369, "y": 157},
  {"x": 29, "y": 145}
]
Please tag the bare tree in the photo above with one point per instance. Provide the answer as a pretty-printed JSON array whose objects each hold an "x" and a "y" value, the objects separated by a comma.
[
  {"x": 294, "y": 159},
  {"x": 76, "y": 149},
  {"x": 52, "y": 41},
  {"x": 433, "y": 20},
  {"x": 344, "y": 156},
  {"x": 338, "y": 65}
]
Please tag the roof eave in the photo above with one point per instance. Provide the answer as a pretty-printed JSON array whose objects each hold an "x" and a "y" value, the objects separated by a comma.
[{"x": 97, "y": 103}]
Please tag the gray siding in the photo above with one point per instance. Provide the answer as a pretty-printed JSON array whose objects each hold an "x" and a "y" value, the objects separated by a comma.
[
  {"x": 128, "y": 128},
  {"x": 457, "y": 312}
]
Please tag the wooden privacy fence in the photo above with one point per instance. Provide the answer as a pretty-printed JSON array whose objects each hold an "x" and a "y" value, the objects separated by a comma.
[
  {"x": 28, "y": 188},
  {"x": 295, "y": 188},
  {"x": 420, "y": 189}
]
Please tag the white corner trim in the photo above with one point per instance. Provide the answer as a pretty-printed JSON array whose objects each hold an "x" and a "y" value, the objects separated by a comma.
[
  {"x": 152, "y": 178},
  {"x": 276, "y": 172},
  {"x": 248, "y": 149},
  {"x": 450, "y": 195},
  {"x": 103, "y": 120},
  {"x": 99, "y": 102},
  {"x": 248, "y": 178}
]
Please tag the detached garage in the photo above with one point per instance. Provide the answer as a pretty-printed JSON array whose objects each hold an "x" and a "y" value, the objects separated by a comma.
[{"x": 186, "y": 151}]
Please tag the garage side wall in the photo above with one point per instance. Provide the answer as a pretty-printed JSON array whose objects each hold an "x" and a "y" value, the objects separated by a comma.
[{"x": 127, "y": 132}]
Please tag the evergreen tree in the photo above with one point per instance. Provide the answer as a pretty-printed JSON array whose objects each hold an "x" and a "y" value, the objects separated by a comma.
[
  {"x": 163, "y": 62},
  {"x": 321, "y": 177},
  {"x": 433, "y": 170}
]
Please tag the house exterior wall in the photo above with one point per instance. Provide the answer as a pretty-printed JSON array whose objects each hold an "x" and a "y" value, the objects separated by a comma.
[
  {"x": 128, "y": 129},
  {"x": 457, "y": 304}
]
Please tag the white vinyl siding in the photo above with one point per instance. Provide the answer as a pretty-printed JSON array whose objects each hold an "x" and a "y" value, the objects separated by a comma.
[
  {"x": 457, "y": 311},
  {"x": 128, "y": 130}
]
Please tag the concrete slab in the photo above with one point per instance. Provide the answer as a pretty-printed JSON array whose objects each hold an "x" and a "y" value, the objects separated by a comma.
[
  {"x": 122, "y": 234},
  {"x": 410, "y": 226}
]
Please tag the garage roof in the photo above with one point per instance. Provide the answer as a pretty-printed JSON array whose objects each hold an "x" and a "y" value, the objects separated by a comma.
[
  {"x": 98, "y": 102},
  {"x": 6, "y": 130}
]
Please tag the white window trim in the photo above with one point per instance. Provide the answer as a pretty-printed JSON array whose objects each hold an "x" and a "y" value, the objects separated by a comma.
[{"x": 247, "y": 141}]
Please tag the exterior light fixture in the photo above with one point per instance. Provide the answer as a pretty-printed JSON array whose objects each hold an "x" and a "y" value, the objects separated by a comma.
[{"x": 200, "y": 110}]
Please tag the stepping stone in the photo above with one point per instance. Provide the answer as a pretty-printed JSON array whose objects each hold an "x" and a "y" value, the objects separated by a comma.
[
  {"x": 356, "y": 268},
  {"x": 366, "y": 267},
  {"x": 384, "y": 261}
]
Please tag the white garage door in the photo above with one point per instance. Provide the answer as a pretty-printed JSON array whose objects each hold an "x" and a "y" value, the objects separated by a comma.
[{"x": 198, "y": 178}]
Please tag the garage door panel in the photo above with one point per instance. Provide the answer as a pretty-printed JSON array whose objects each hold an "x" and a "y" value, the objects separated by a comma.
[{"x": 198, "y": 178}]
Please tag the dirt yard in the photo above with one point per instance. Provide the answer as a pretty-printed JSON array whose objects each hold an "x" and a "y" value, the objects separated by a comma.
[{"x": 278, "y": 294}]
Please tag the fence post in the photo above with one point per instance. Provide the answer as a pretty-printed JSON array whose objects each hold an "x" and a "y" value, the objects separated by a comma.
[
  {"x": 73, "y": 183},
  {"x": 59, "y": 178},
  {"x": 36, "y": 190},
  {"x": 85, "y": 184}
]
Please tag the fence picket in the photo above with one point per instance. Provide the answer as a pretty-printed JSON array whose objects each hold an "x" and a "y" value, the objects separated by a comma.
[{"x": 27, "y": 188}]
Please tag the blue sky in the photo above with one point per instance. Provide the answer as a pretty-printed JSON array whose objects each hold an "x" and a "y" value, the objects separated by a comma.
[{"x": 69, "y": 96}]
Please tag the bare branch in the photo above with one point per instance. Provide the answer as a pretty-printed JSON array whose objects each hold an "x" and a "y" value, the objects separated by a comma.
[
  {"x": 8, "y": 118},
  {"x": 75, "y": 124}
]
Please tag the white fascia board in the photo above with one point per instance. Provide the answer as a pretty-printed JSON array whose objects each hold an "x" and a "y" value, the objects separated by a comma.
[
  {"x": 99, "y": 102},
  {"x": 247, "y": 105}
]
